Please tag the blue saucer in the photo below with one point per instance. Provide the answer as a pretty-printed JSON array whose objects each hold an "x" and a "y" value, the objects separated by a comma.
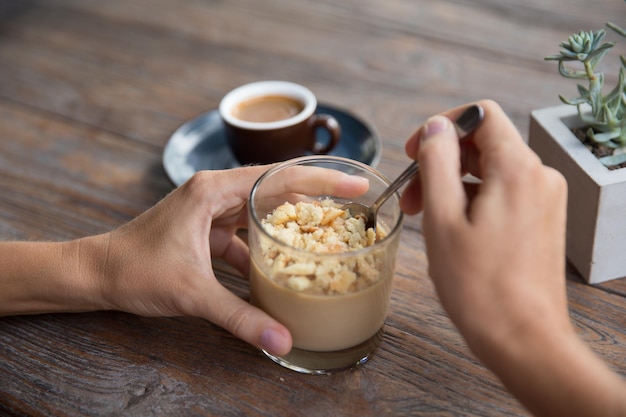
[{"x": 199, "y": 144}]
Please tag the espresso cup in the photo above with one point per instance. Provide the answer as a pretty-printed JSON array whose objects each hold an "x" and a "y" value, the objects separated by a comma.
[{"x": 271, "y": 121}]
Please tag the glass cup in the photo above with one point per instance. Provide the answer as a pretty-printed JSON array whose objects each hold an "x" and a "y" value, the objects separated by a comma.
[{"x": 339, "y": 325}]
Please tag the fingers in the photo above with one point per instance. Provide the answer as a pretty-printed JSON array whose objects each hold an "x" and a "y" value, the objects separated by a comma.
[
  {"x": 229, "y": 190},
  {"x": 495, "y": 130},
  {"x": 412, "y": 144},
  {"x": 223, "y": 193},
  {"x": 311, "y": 180},
  {"x": 247, "y": 322},
  {"x": 439, "y": 158},
  {"x": 493, "y": 148},
  {"x": 301, "y": 183},
  {"x": 411, "y": 198},
  {"x": 231, "y": 248}
]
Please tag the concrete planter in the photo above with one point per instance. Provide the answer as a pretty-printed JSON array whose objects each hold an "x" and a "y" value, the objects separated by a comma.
[{"x": 596, "y": 208}]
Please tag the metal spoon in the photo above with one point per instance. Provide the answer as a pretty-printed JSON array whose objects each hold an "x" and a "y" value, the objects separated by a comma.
[{"x": 464, "y": 125}]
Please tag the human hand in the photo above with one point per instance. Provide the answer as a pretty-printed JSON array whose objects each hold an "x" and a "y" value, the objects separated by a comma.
[
  {"x": 496, "y": 254},
  {"x": 496, "y": 251},
  {"x": 160, "y": 264}
]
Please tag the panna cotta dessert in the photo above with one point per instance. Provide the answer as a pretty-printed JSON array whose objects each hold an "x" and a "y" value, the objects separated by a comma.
[
  {"x": 315, "y": 267},
  {"x": 328, "y": 284}
]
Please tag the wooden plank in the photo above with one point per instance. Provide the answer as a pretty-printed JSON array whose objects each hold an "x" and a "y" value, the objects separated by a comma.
[
  {"x": 430, "y": 60},
  {"x": 60, "y": 179}
]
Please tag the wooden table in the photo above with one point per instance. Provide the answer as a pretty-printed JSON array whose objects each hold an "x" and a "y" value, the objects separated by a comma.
[{"x": 90, "y": 92}]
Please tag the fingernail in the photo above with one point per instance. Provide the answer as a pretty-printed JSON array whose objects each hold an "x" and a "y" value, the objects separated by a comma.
[
  {"x": 434, "y": 126},
  {"x": 275, "y": 342}
]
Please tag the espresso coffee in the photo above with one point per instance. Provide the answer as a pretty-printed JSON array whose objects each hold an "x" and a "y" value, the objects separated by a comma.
[{"x": 267, "y": 109}]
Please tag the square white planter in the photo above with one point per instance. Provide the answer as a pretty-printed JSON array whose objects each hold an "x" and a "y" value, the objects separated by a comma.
[{"x": 596, "y": 207}]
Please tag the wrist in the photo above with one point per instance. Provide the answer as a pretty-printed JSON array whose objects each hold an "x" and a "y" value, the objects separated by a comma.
[
  {"x": 551, "y": 371},
  {"x": 43, "y": 277},
  {"x": 76, "y": 285},
  {"x": 90, "y": 255},
  {"x": 514, "y": 338}
]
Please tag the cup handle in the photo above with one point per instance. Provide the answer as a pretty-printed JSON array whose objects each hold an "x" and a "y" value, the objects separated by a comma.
[{"x": 331, "y": 125}]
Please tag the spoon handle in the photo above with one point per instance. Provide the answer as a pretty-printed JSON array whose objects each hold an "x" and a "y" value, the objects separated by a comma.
[
  {"x": 408, "y": 173},
  {"x": 464, "y": 125}
]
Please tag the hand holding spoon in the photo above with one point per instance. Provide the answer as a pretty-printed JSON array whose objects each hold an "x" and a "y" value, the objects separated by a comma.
[{"x": 464, "y": 125}]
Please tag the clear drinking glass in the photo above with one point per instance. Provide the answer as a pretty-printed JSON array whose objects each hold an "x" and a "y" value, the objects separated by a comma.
[{"x": 331, "y": 331}]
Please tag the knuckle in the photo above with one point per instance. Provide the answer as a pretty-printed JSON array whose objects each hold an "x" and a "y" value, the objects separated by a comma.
[
  {"x": 237, "y": 320},
  {"x": 556, "y": 181},
  {"x": 197, "y": 186}
]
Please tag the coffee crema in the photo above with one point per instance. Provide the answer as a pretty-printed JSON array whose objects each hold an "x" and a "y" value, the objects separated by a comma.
[{"x": 267, "y": 109}]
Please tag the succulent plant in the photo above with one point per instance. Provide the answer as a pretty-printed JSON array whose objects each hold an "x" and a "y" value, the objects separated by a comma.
[{"x": 607, "y": 118}]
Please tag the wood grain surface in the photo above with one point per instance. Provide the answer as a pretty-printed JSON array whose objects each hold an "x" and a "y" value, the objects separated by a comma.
[{"x": 90, "y": 92}]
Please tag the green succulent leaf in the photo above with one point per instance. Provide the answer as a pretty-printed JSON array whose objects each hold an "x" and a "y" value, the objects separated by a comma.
[
  {"x": 563, "y": 56},
  {"x": 596, "y": 55},
  {"x": 613, "y": 160},
  {"x": 608, "y": 117},
  {"x": 589, "y": 118},
  {"x": 571, "y": 73},
  {"x": 583, "y": 91},
  {"x": 574, "y": 101},
  {"x": 617, "y": 29},
  {"x": 604, "y": 137},
  {"x": 614, "y": 99},
  {"x": 595, "y": 94}
]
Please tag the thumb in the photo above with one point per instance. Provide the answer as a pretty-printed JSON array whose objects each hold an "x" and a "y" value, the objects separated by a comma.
[
  {"x": 247, "y": 322},
  {"x": 439, "y": 156}
]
